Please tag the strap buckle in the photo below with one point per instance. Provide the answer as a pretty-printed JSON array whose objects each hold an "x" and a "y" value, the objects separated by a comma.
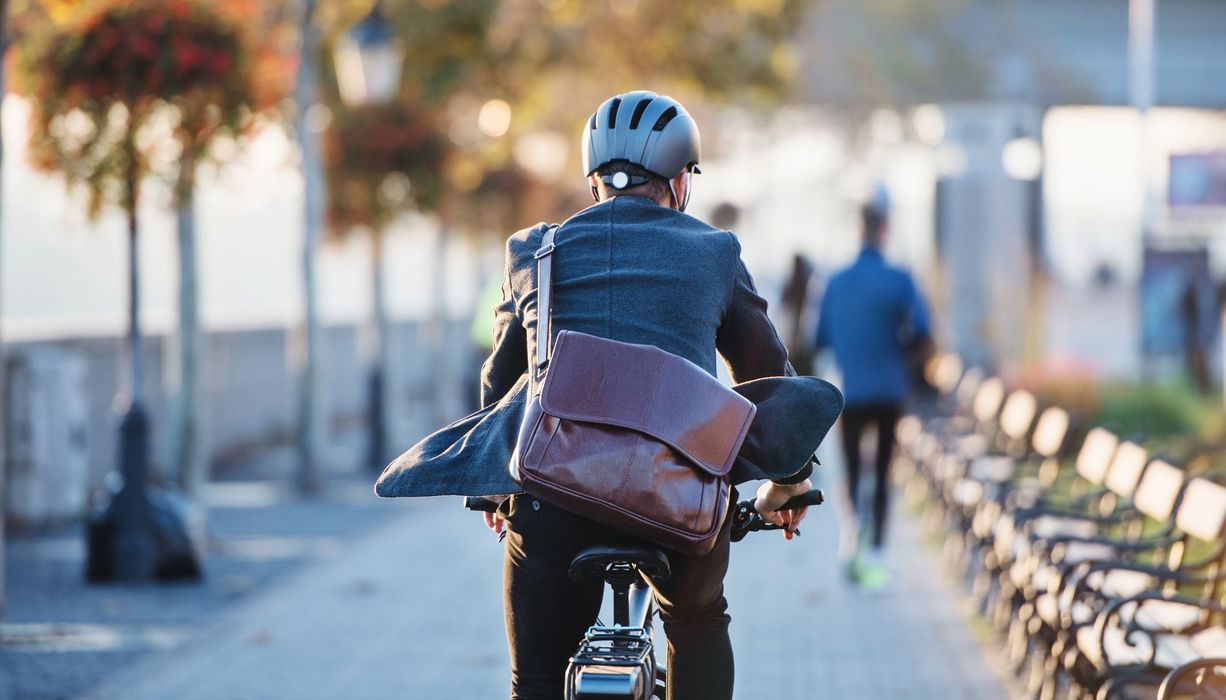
[
  {"x": 545, "y": 250},
  {"x": 539, "y": 370}
]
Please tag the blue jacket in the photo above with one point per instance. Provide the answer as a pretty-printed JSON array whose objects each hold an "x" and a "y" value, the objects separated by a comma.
[
  {"x": 871, "y": 314},
  {"x": 629, "y": 270}
]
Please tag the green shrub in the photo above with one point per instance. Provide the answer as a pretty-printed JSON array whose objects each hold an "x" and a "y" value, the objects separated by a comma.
[{"x": 1157, "y": 412}]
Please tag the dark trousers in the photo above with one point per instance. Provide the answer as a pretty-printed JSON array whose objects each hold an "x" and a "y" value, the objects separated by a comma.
[
  {"x": 547, "y": 613},
  {"x": 884, "y": 416}
]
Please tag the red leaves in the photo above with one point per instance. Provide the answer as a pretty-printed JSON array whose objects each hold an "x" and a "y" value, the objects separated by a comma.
[
  {"x": 156, "y": 47},
  {"x": 366, "y": 145},
  {"x": 195, "y": 62}
]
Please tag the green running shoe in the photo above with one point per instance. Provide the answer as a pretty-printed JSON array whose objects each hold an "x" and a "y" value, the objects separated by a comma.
[{"x": 871, "y": 571}]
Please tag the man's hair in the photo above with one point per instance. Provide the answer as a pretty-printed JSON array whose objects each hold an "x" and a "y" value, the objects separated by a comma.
[
  {"x": 655, "y": 187},
  {"x": 874, "y": 221}
]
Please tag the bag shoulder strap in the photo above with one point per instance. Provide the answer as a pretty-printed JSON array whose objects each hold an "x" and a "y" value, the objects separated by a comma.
[{"x": 544, "y": 299}]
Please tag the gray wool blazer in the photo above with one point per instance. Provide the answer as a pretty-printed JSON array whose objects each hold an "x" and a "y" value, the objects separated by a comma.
[{"x": 628, "y": 269}]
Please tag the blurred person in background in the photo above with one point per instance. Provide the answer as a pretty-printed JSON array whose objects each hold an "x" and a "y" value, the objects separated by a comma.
[
  {"x": 480, "y": 335},
  {"x": 795, "y": 325},
  {"x": 873, "y": 319}
]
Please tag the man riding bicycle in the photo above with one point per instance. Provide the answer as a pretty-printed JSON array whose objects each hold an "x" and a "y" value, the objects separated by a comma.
[{"x": 634, "y": 267}]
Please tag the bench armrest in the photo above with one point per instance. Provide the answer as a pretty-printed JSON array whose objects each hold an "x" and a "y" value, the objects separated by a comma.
[
  {"x": 1115, "y": 609},
  {"x": 1076, "y": 586},
  {"x": 1219, "y": 577},
  {"x": 1023, "y": 517},
  {"x": 1044, "y": 547},
  {"x": 1081, "y": 503},
  {"x": 1133, "y": 628},
  {"x": 1167, "y": 689}
]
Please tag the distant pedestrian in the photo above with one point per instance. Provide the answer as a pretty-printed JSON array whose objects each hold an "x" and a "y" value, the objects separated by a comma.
[
  {"x": 481, "y": 334},
  {"x": 872, "y": 317},
  {"x": 795, "y": 322}
]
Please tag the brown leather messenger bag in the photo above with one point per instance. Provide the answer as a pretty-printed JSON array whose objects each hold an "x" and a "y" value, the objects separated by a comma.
[{"x": 628, "y": 435}]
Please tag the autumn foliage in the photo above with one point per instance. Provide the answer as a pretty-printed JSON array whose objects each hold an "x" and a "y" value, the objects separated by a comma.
[
  {"x": 130, "y": 88},
  {"x": 382, "y": 159}
]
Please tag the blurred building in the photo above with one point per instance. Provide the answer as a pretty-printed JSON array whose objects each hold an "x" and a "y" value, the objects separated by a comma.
[{"x": 1040, "y": 158}]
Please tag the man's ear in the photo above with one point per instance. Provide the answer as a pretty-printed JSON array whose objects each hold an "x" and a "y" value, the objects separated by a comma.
[
  {"x": 593, "y": 181},
  {"x": 680, "y": 187}
]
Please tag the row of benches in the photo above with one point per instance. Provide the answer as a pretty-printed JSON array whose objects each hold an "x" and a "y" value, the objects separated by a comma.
[{"x": 1101, "y": 565}]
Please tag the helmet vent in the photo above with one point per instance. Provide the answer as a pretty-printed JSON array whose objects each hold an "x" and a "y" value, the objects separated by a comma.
[
  {"x": 638, "y": 113},
  {"x": 592, "y": 122},
  {"x": 664, "y": 119},
  {"x": 613, "y": 112}
]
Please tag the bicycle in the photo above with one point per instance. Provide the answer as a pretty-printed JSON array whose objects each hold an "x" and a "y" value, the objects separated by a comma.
[{"x": 618, "y": 661}]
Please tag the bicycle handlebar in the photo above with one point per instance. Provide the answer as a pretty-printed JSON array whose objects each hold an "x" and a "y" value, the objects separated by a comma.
[
  {"x": 480, "y": 503},
  {"x": 745, "y": 516},
  {"x": 747, "y": 519},
  {"x": 804, "y": 500}
]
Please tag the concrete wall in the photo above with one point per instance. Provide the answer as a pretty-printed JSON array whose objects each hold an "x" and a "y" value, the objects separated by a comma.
[{"x": 251, "y": 399}]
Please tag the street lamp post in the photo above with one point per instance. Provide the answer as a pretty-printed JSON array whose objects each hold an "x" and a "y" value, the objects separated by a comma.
[
  {"x": 1141, "y": 20},
  {"x": 369, "y": 60},
  {"x": 3, "y": 418},
  {"x": 141, "y": 535},
  {"x": 368, "y": 67}
]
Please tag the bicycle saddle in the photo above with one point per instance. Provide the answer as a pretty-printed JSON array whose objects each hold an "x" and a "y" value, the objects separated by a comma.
[{"x": 595, "y": 560}]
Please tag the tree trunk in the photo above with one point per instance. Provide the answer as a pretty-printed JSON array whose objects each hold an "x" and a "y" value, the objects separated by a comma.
[
  {"x": 444, "y": 398},
  {"x": 136, "y": 362},
  {"x": 379, "y": 403},
  {"x": 189, "y": 445},
  {"x": 307, "y": 351},
  {"x": 3, "y": 364}
]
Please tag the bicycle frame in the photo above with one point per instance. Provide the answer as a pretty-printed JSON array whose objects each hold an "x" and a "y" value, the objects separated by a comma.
[{"x": 618, "y": 660}]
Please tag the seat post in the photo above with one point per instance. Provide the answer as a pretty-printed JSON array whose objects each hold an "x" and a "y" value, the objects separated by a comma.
[{"x": 619, "y": 576}]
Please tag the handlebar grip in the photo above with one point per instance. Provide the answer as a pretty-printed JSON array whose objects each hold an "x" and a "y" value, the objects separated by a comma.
[
  {"x": 809, "y": 498},
  {"x": 480, "y": 504}
]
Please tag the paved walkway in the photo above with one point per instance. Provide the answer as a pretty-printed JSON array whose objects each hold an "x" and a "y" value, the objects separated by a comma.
[{"x": 412, "y": 611}]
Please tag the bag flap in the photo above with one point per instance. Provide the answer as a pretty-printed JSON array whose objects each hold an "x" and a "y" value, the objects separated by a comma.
[{"x": 646, "y": 389}]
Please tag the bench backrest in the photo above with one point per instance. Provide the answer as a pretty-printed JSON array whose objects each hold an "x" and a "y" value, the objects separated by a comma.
[
  {"x": 1202, "y": 510},
  {"x": 1017, "y": 415},
  {"x": 1159, "y": 490},
  {"x": 1094, "y": 457},
  {"x": 908, "y": 430},
  {"x": 988, "y": 398},
  {"x": 1126, "y": 467},
  {"x": 1050, "y": 431},
  {"x": 944, "y": 371},
  {"x": 969, "y": 385}
]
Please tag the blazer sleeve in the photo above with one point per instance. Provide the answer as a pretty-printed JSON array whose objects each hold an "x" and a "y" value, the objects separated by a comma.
[{"x": 509, "y": 357}]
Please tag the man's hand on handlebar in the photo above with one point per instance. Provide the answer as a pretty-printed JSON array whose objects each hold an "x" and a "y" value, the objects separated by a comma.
[
  {"x": 494, "y": 522},
  {"x": 489, "y": 512},
  {"x": 771, "y": 496}
]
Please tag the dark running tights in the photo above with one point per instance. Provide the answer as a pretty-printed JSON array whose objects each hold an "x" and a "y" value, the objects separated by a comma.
[
  {"x": 547, "y": 614},
  {"x": 854, "y": 419}
]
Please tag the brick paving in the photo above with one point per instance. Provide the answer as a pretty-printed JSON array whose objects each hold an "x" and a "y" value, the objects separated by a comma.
[{"x": 412, "y": 610}]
